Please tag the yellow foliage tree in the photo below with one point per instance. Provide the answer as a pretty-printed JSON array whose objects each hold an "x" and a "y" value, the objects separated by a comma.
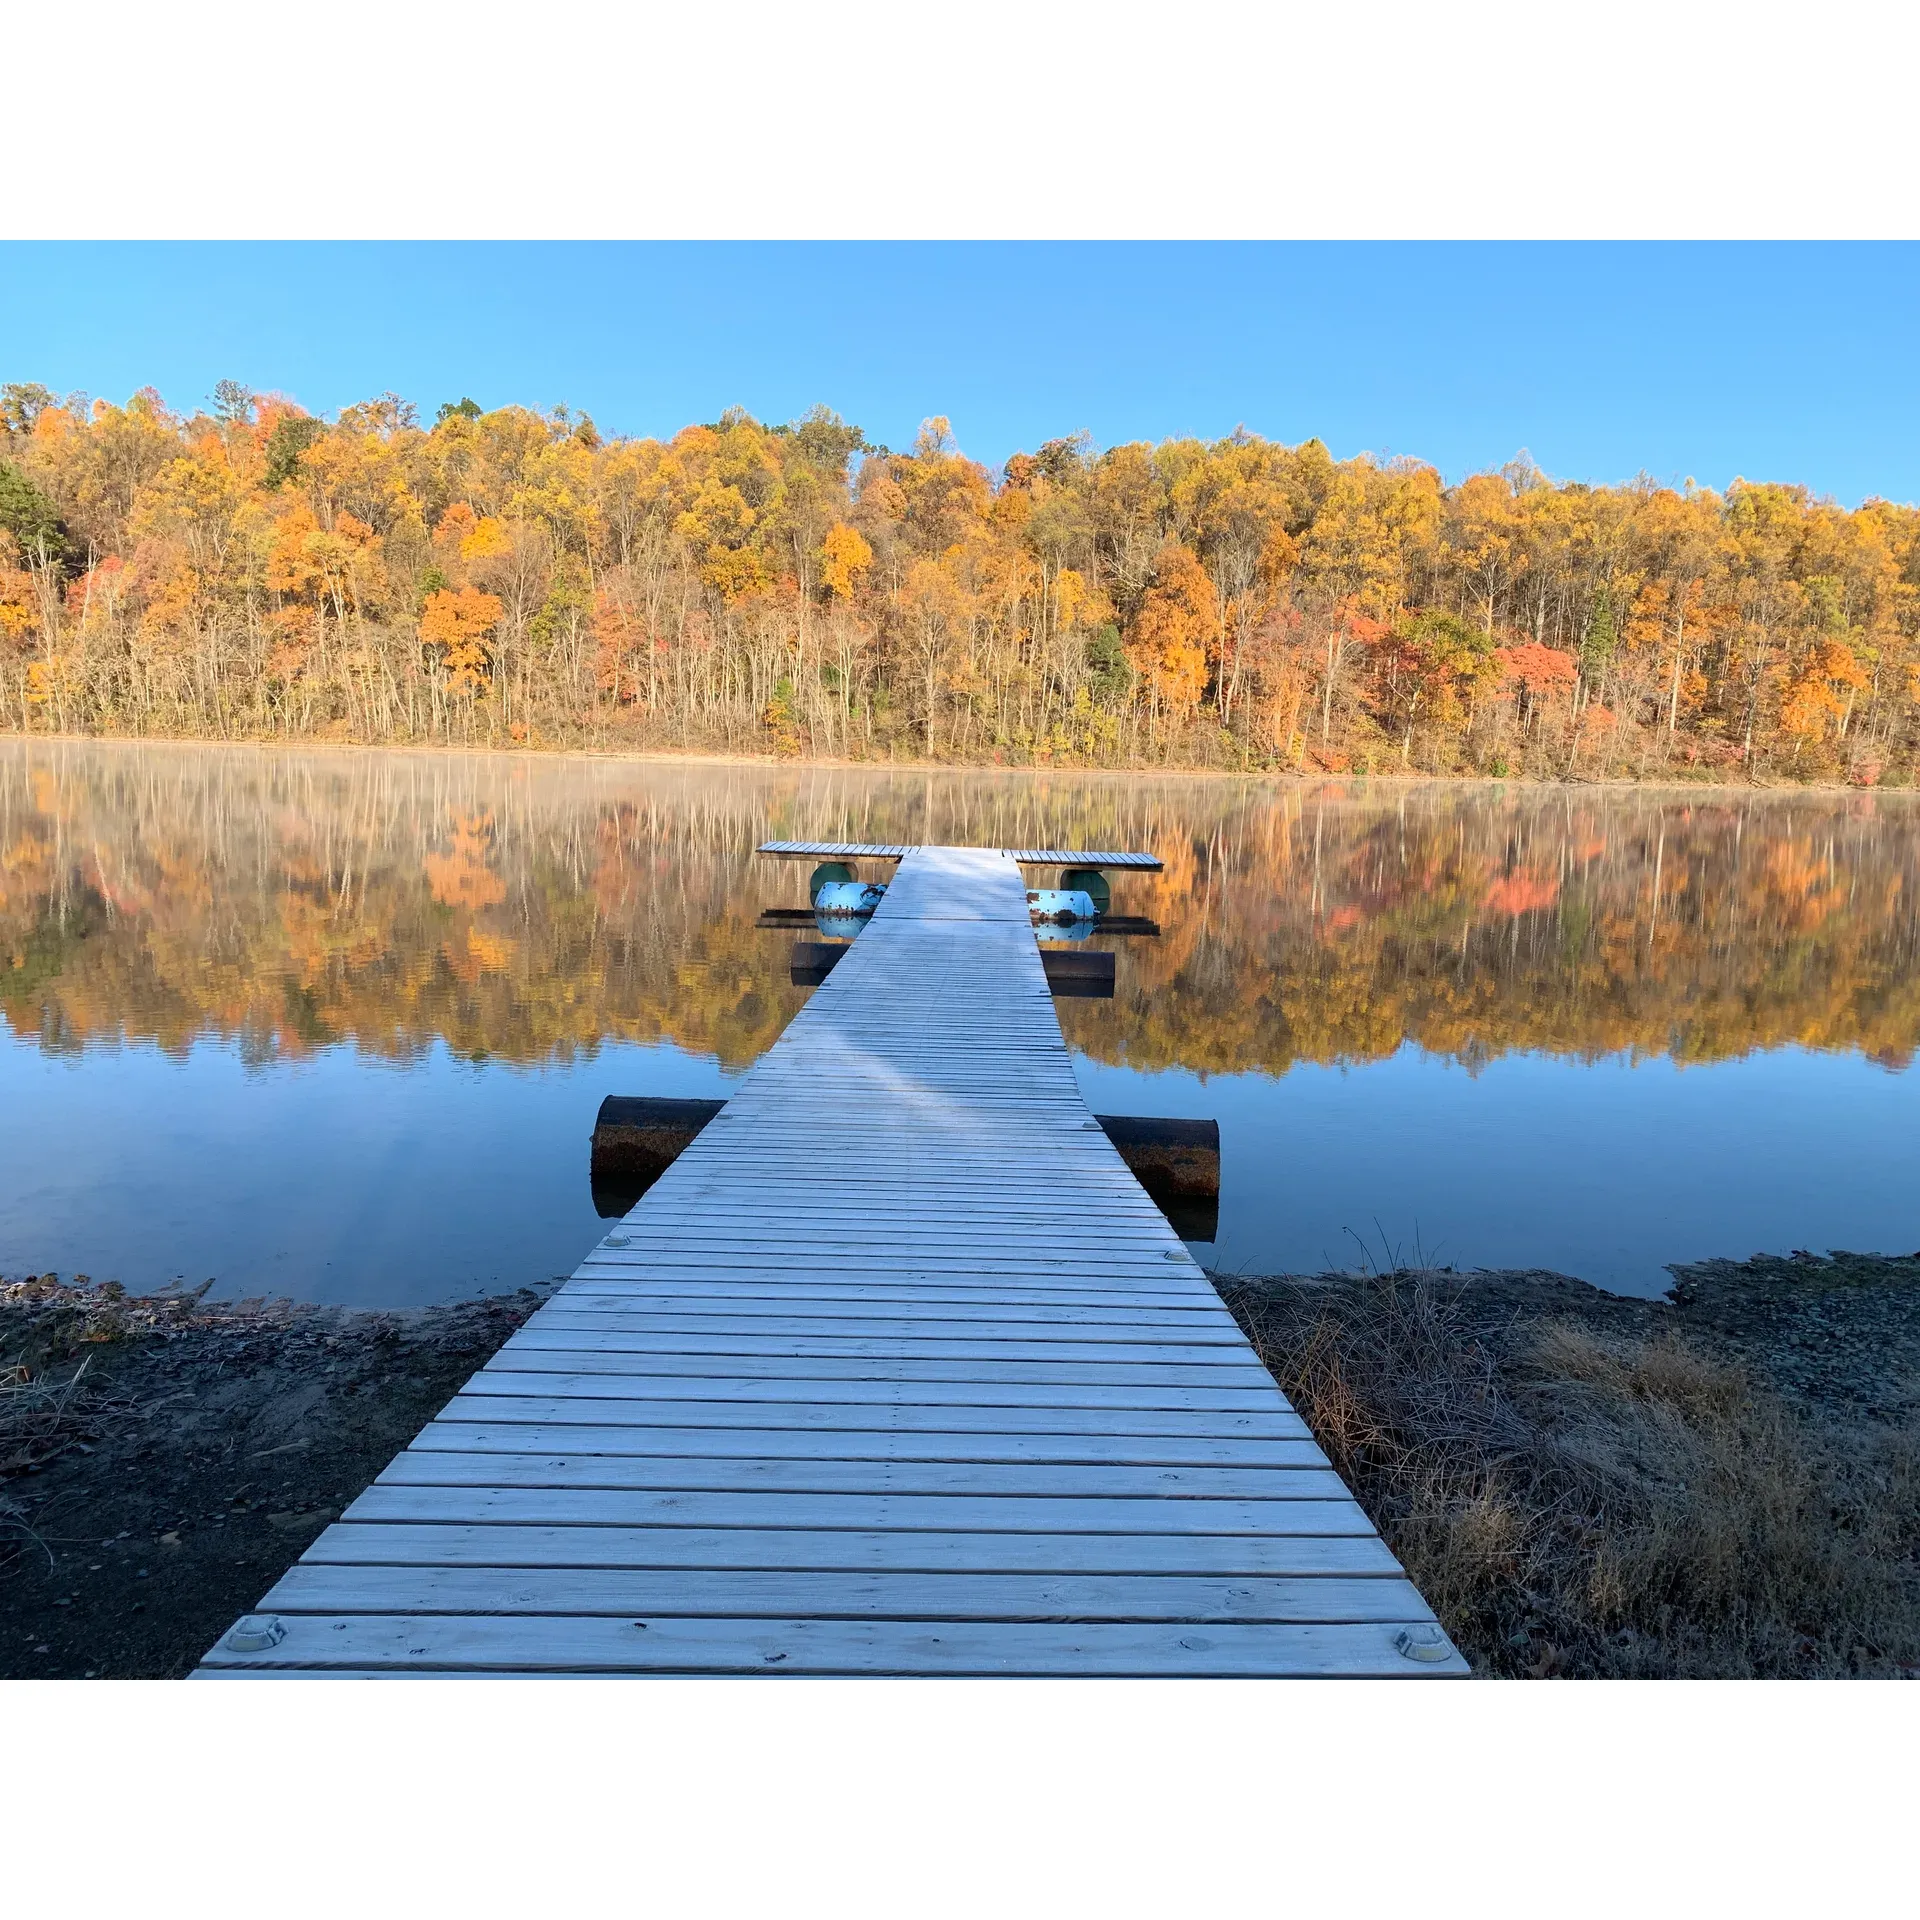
[
  {"x": 935, "y": 607},
  {"x": 1177, "y": 626},
  {"x": 844, "y": 558},
  {"x": 489, "y": 539},
  {"x": 18, "y": 611}
]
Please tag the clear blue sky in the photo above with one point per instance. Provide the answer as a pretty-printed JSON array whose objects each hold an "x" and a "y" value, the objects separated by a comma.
[{"x": 1779, "y": 362}]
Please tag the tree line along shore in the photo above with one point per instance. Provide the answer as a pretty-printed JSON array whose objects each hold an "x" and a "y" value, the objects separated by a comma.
[{"x": 514, "y": 578}]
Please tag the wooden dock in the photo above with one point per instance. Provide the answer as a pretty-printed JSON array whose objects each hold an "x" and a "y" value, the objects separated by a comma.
[{"x": 896, "y": 1370}]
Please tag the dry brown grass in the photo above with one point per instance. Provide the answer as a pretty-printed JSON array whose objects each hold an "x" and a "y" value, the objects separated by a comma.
[{"x": 1585, "y": 1500}]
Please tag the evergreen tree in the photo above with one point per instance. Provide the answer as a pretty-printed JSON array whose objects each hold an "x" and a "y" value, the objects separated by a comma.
[
  {"x": 292, "y": 435},
  {"x": 22, "y": 402},
  {"x": 29, "y": 516},
  {"x": 233, "y": 403},
  {"x": 1107, "y": 659},
  {"x": 1596, "y": 646}
]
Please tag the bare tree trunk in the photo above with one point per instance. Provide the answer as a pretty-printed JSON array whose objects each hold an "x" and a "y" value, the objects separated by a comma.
[{"x": 1336, "y": 636}]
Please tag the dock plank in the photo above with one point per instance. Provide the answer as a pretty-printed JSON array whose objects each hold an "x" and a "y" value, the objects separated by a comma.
[
  {"x": 455, "y": 1432},
  {"x": 1233, "y": 1556},
  {"x": 311, "y": 1588},
  {"x": 1215, "y": 1489},
  {"x": 480, "y": 1643},
  {"x": 565, "y": 1464},
  {"x": 591, "y": 1402},
  {"x": 1321, "y": 1504}
]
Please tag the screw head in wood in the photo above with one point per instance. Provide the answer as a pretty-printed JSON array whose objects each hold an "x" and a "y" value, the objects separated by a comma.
[{"x": 256, "y": 1633}]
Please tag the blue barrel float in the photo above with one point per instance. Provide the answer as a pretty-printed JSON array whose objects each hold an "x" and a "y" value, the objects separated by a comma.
[
  {"x": 1081, "y": 898},
  {"x": 847, "y": 899},
  {"x": 1059, "y": 906}
]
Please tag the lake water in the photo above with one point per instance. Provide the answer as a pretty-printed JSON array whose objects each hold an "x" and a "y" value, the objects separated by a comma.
[{"x": 336, "y": 1025}]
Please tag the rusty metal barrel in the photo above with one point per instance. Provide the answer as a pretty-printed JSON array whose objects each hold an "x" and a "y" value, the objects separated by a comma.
[{"x": 636, "y": 1141}]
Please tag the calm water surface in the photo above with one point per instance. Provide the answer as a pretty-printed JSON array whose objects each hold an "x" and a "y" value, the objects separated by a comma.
[{"x": 336, "y": 1025}]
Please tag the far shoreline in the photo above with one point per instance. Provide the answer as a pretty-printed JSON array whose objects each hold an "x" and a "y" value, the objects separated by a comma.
[{"x": 660, "y": 756}]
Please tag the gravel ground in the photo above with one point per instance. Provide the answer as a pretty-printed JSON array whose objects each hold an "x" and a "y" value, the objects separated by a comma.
[{"x": 197, "y": 1454}]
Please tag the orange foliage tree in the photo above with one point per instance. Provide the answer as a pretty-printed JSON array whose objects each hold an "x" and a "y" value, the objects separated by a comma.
[
  {"x": 1175, "y": 630},
  {"x": 455, "y": 627}
]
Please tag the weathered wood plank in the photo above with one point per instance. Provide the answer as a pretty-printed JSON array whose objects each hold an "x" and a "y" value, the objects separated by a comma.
[
  {"x": 604, "y": 1401},
  {"x": 562, "y": 1466},
  {"x": 747, "y": 1292},
  {"x": 1021, "y": 856},
  {"x": 847, "y": 1551},
  {"x": 1134, "y": 1358},
  {"x": 612, "y": 1275},
  {"x": 1321, "y": 1505},
  {"x": 674, "y": 1644},
  {"x": 907, "y": 1389},
  {"x": 452, "y": 1433},
  {"x": 308, "y": 1588},
  {"x": 870, "y": 1320}
]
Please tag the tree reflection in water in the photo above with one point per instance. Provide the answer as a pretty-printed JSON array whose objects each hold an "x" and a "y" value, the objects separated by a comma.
[{"x": 524, "y": 909}]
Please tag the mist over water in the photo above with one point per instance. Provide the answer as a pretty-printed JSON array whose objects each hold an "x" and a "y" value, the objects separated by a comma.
[{"x": 336, "y": 1024}]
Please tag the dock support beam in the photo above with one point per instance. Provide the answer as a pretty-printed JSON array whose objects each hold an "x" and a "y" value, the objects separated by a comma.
[
  {"x": 1073, "y": 973},
  {"x": 1177, "y": 1161}
]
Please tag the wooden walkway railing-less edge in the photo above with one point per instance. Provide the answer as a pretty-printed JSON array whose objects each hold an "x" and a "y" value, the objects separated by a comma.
[{"x": 896, "y": 1370}]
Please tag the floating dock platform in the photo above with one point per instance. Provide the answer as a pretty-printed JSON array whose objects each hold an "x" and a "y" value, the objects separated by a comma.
[{"x": 895, "y": 1370}]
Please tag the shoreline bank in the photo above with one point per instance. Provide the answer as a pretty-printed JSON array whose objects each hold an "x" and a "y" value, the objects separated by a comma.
[
  {"x": 667, "y": 756},
  {"x": 163, "y": 1459},
  {"x": 1583, "y": 1484}
]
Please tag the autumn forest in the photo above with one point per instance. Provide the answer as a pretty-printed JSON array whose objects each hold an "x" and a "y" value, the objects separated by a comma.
[{"x": 512, "y": 578}]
